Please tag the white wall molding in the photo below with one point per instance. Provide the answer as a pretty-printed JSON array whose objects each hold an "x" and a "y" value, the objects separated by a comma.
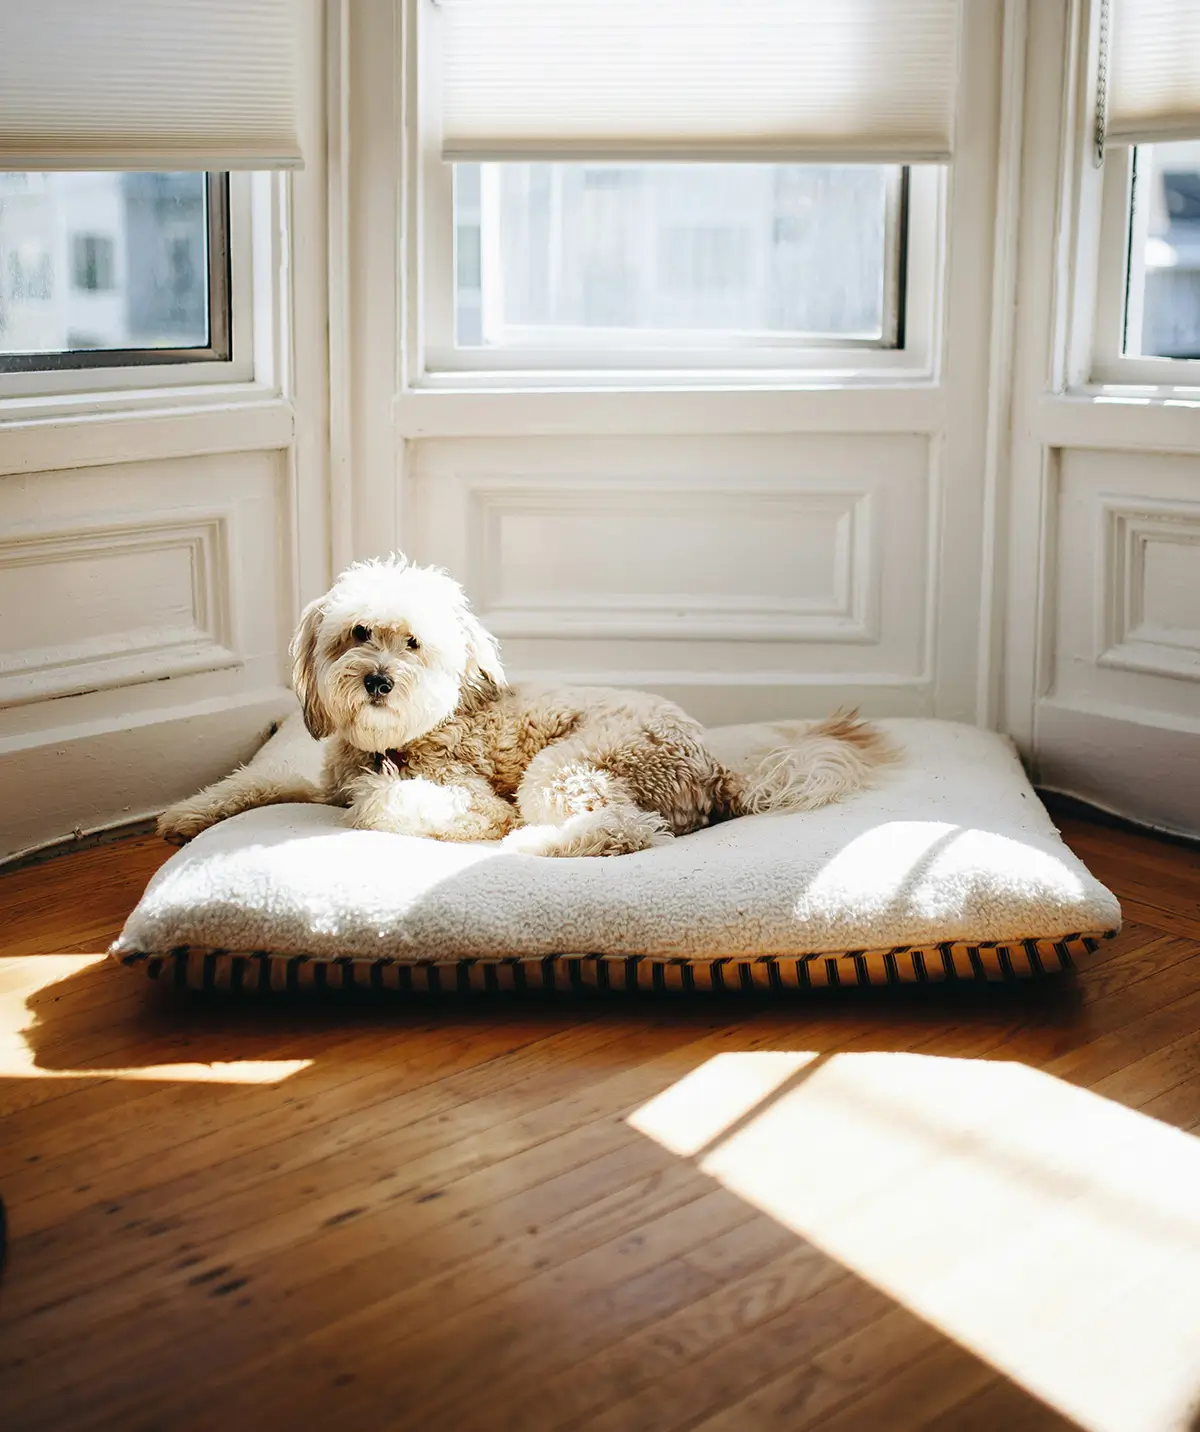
[
  {"x": 960, "y": 555},
  {"x": 1150, "y": 617},
  {"x": 998, "y": 445},
  {"x": 301, "y": 243},
  {"x": 180, "y": 562},
  {"x": 743, "y": 575},
  {"x": 843, "y": 608},
  {"x": 1042, "y": 302},
  {"x": 367, "y": 254}
]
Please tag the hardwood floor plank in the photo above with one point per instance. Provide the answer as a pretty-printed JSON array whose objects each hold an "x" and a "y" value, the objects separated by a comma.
[
  {"x": 1001, "y": 1406},
  {"x": 685, "y": 1398},
  {"x": 622, "y": 1374},
  {"x": 1156, "y": 1074}
]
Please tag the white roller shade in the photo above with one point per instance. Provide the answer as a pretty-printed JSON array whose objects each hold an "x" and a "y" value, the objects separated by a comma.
[
  {"x": 149, "y": 84},
  {"x": 1154, "y": 71},
  {"x": 697, "y": 79}
]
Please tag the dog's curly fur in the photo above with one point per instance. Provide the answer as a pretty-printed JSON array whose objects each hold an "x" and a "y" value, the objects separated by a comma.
[{"x": 427, "y": 738}]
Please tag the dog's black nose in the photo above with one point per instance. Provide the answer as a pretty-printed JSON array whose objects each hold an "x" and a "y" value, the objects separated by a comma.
[{"x": 377, "y": 683}]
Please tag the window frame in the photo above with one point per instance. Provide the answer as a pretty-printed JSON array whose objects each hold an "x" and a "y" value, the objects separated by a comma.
[
  {"x": 1110, "y": 365},
  {"x": 433, "y": 361},
  {"x": 229, "y": 356}
]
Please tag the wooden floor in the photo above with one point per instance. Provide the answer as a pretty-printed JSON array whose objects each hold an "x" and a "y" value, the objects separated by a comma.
[{"x": 936, "y": 1209}]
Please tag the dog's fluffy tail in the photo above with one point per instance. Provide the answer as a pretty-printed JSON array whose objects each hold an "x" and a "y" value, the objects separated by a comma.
[{"x": 829, "y": 761}]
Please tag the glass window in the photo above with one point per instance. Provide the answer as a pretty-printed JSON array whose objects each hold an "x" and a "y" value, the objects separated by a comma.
[
  {"x": 109, "y": 269},
  {"x": 677, "y": 254},
  {"x": 1162, "y": 299}
]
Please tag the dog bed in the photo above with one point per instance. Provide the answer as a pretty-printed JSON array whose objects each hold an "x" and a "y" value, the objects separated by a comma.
[{"x": 949, "y": 869}]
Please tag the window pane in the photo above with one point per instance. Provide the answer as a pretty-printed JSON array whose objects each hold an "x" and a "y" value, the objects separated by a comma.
[
  {"x": 1163, "y": 301},
  {"x": 645, "y": 253},
  {"x": 90, "y": 262}
]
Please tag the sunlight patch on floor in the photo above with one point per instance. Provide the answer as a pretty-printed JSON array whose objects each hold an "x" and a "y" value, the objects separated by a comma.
[
  {"x": 708, "y": 1101},
  {"x": 1051, "y": 1231},
  {"x": 17, "y": 1063},
  {"x": 23, "y": 978}
]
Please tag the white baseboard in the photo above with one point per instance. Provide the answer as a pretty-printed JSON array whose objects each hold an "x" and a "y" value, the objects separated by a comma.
[
  {"x": 1147, "y": 773},
  {"x": 88, "y": 778}
]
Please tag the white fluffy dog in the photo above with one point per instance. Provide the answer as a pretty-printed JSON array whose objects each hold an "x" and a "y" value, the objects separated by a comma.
[{"x": 427, "y": 738}]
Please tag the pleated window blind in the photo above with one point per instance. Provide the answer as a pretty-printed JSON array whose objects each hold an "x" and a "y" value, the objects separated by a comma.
[
  {"x": 762, "y": 80},
  {"x": 149, "y": 84},
  {"x": 1153, "y": 66}
]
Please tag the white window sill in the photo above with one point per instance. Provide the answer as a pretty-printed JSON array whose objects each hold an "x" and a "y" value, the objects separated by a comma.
[
  {"x": 1185, "y": 395},
  {"x": 717, "y": 404},
  {"x": 1123, "y": 416},
  {"x": 627, "y": 379},
  {"x": 59, "y": 407},
  {"x": 48, "y": 437}
]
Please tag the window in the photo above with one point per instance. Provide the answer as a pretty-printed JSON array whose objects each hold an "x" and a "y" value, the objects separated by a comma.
[
  {"x": 1162, "y": 292},
  {"x": 113, "y": 270},
  {"x": 670, "y": 255},
  {"x": 1147, "y": 316},
  {"x": 580, "y": 202},
  {"x": 1146, "y": 124},
  {"x": 584, "y": 266}
]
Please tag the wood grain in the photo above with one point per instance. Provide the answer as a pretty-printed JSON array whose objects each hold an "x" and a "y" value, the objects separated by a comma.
[{"x": 286, "y": 1213}]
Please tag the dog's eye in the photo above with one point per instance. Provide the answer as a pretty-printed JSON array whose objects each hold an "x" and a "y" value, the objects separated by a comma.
[
  {"x": 413, "y": 644},
  {"x": 361, "y": 633}
]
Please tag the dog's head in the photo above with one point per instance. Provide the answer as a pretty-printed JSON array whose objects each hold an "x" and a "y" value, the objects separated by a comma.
[{"x": 388, "y": 653}]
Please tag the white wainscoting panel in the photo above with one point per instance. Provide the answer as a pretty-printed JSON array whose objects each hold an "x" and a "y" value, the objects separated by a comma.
[
  {"x": 773, "y": 566},
  {"x": 1150, "y": 604},
  {"x": 559, "y": 562},
  {"x": 130, "y": 602},
  {"x": 1126, "y": 579},
  {"x": 145, "y": 610},
  {"x": 1118, "y": 718}
]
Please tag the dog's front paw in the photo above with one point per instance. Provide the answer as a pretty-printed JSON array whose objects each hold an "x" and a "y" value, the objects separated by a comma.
[
  {"x": 184, "y": 821},
  {"x": 413, "y": 805},
  {"x": 404, "y": 806},
  {"x": 603, "y": 832},
  {"x": 533, "y": 840}
]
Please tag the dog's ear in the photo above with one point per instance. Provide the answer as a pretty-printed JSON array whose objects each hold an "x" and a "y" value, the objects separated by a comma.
[
  {"x": 484, "y": 671},
  {"x": 304, "y": 670}
]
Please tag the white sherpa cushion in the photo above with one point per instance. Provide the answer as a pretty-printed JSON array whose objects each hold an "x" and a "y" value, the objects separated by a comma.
[{"x": 949, "y": 868}]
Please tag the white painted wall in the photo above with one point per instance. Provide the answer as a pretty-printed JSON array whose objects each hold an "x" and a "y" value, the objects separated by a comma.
[{"x": 992, "y": 544}]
